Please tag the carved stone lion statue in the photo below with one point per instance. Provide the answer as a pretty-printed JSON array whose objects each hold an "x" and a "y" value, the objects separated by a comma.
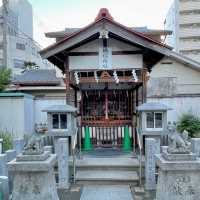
[
  {"x": 33, "y": 146},
  {"x": 178, "y": 143}
]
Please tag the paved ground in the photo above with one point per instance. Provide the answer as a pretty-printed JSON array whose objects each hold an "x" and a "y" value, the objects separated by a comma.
[{"x": 115, "y": 192}]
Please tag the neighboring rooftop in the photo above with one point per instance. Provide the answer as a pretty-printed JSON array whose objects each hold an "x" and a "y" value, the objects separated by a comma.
[
  {"x": 60, "y": 108},
  {"x": 153, "y": 107},
  {"x": 144, "y": 30},
  {"x": 13, "y": 94},
  {"x": 39, "y": 77}
]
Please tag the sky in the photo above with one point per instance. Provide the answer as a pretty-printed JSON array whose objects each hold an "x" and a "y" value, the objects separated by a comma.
[{"x": 55, "y": 15}]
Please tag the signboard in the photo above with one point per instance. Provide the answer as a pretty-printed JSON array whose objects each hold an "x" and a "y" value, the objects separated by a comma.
[{"x": 105, "y": 58}]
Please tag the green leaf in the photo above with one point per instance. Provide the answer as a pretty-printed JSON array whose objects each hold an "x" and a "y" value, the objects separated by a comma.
[{"x": 5, "y": 78}]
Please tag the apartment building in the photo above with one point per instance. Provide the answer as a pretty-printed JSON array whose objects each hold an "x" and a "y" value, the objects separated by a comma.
[
  {"x": 183, "y": 19},
  {"x": 20, "y": 46}
]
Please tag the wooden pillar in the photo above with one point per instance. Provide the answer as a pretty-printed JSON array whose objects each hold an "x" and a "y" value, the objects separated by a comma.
[
  {"x": 106, "y": 104},
  {"x": 75, "y": 98},
  {"x": 144, "y": 85},
  {"x": 81, "y": 105},
  {"x": 67, "y": 76},
  {"x": 137, "y": 97}
]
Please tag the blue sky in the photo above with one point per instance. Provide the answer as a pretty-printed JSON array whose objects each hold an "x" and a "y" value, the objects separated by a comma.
[{"x": 52, "y": 15}]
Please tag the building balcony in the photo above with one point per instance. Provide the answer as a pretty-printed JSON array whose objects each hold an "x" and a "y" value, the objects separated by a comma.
[
  {"x": 189, "y": 32},
  {"x": 189, "y": 6},
  {"x": 188, "y": 19},
  {"x": 188, "y": 45}
]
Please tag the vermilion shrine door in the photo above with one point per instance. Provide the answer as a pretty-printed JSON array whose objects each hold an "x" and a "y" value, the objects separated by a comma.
[{"x": 107, "y": 112}]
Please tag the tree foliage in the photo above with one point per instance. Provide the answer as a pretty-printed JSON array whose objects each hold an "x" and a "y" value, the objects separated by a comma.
[
  {"x": 5, "y": 78},
  {"x": 28, "y": 65},
  {"x": 7, "y": 140},
  {"x": 189, "y": 122}
]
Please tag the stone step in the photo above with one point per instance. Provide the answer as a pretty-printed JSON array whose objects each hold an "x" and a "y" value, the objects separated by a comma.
[
  {"x": 137, "y": 197},
  {"x": 139, "y": 191},
  {"x": 101, "y": 176},
  {"x": 107, "y": 163}
]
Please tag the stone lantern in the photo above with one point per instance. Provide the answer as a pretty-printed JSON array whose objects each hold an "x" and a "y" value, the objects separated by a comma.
[
  {"x": 153, "y": 120},
  {"x": 61, "y": 121}
]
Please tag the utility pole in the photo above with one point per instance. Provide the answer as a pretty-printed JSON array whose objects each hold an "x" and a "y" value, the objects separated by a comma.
[{"x": 5, "y": 31}]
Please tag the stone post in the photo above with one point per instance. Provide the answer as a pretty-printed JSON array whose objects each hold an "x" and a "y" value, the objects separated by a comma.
[
  {"x": 3, "y": 167},
  {"x": 195, "y": 146},
  {"x": 151, "y": 148},
  {"x": 18, "y": 145},
  {"x": 63, "y": 163},
  {"x": 48, "y": 148},
  {"x": 1, "y": 145},
  {"x": 4, "y": 187},
  {"x": 10, "y": 155}
]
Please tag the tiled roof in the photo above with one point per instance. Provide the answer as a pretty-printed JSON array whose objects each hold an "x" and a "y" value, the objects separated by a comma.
[
  {"x": 156, "y": 46},
  {"x": 102, "y": 15},
  {"x": 68, "y": 31},
  {"x": 37, "y": 77},
  {"x": 17, "y": 94},
  {"x": 60, "y": 108},
  {"x": 153, "y": 107}
]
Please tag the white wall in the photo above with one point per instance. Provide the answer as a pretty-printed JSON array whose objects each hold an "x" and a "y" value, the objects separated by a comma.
[
  {"x": 179, "y": 106},
  {"x": 177, "y": 86},
  {"x": 118, "y": 61},
  {"x": 187, "y": 79},
  {"x": 16, "y": 115}
]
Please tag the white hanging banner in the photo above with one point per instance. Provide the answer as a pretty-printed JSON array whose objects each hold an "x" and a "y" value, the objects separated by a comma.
[{"x": 105, "y": 58}]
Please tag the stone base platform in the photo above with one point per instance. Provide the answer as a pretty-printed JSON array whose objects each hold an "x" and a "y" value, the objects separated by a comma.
[
  {"x": 34, "y": 180},
  {"x": 178, "y": 179}
]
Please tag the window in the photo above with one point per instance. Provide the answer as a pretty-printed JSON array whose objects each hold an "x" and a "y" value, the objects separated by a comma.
[
  {"x": 20, "y": 46},
  {"x": 59, "y": 121},
  {"x": 154, "y": 121}
]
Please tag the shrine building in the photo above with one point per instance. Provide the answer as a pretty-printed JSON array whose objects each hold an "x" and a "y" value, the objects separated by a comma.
[{"x": 108, "y": 68}]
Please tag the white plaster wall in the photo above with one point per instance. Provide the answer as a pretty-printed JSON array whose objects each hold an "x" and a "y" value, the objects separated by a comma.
[
  {"x": 118, "y": 61},
  {"x": 42, "y": 104},
  {"x": 12, "y": 115},
  {"x": 179, "y": 105},
  {"x": 188, "y": 79}
]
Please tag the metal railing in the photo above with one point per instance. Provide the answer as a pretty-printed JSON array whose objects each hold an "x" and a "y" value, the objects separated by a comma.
[
  {"x": 74, "y": 155},
  {"x": 140, "y": 156}
]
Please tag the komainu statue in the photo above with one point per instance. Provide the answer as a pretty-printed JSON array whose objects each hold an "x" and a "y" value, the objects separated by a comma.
[
  {"x": 178, "y": 143},
  {"x": 33, "y": 146}
]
